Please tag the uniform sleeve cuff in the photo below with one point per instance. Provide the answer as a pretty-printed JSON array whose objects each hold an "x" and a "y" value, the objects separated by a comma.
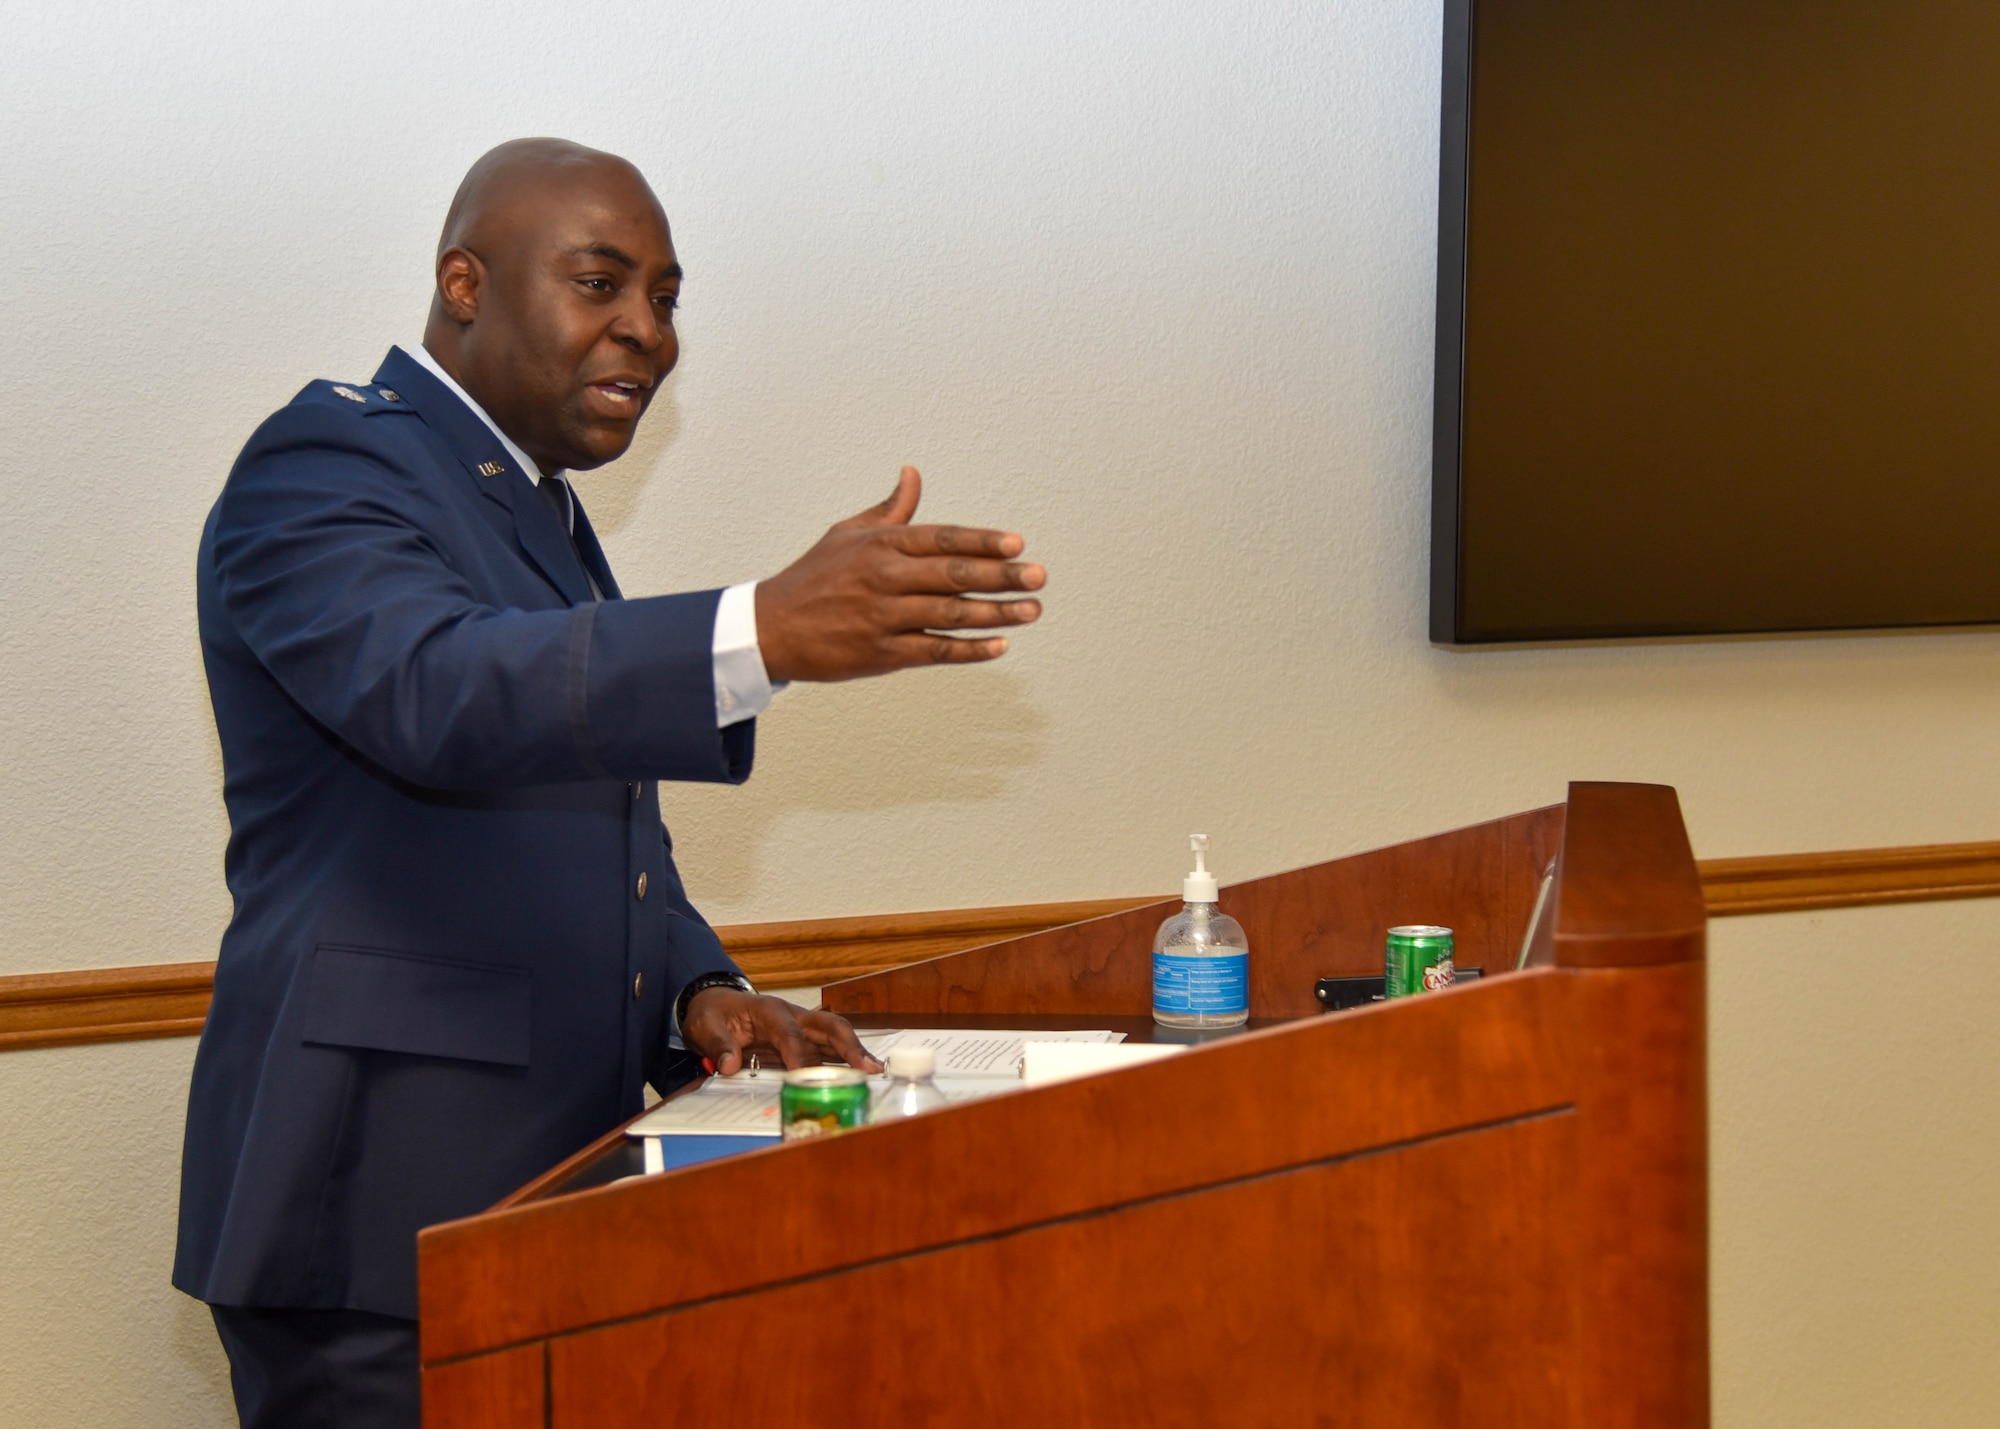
[{"x": 743, "y": 689}]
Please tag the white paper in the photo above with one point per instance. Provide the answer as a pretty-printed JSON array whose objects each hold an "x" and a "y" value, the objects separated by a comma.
[
  {"x": 972, "y": 1052},
  {"x": 743, "y": 1105},
  {"x": 1047, "y": 1061},
  {"x": 961, "y": 1089},
  {"x": 971, "y": 1064}
]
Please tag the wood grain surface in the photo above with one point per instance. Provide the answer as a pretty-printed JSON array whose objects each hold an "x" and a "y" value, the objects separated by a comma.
[
  {"x": 822, "y": 950},
  {"x": 171, "y": 999},
  {"x": 1642, "y": 1208},
  {"x": 507, "y": 1390},
  {"x": 1359, "y": 1290},
  {"x": 1794, "y": 882},
  {"x": 1321, "y": 921},
  {"x": 1630, "y": 895},
  {"x": 1484, "y": 1206},
  {"x": 1479, "y": 1055},
  {"x": 104, "y": 1004}
]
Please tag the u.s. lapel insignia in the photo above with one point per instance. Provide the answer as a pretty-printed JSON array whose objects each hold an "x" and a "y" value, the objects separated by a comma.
[
  {"x": 490, "y": 468},
  {"x": 350, "y": 394},
  {"x": 388, "y": 396}
]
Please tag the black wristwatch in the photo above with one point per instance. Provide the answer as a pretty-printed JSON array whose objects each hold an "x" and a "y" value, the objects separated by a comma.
[{"x": 702, "y": 984}]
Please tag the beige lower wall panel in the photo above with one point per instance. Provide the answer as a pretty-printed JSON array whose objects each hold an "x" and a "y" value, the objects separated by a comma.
[
  {"x": 91, "y": 1334},
  {"x": 1854, "y": 1128}
]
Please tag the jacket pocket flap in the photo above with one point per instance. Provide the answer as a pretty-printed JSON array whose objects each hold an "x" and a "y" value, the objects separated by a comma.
[{"x": 430, "y": 1007}]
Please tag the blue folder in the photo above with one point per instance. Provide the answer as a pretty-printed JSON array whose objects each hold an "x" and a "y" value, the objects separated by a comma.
[{"x": 693, "y": 1150}]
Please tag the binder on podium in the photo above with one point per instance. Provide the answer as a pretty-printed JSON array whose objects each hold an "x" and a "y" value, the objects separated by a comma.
[{"x": 1481, "y": 1206}]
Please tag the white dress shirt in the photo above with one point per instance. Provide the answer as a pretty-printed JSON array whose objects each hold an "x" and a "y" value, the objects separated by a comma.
[{"x": 743, "y": 688}]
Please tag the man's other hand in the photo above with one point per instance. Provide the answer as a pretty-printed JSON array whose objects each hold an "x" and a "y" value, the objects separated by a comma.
[
  {"x": 878, "y": 594},
  {"x": 722, "y": 1024}
]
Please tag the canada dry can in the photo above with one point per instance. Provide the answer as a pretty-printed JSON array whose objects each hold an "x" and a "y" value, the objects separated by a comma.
[
  {"x": 1418, "y": 960},
  {"x": 817, "y": 1101}
]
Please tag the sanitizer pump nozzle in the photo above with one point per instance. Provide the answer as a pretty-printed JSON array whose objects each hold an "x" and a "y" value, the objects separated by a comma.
[{"x": 1199, "y": 886}]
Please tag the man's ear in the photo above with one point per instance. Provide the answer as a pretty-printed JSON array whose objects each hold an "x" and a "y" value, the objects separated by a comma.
[{"x": 461, "y": 281}]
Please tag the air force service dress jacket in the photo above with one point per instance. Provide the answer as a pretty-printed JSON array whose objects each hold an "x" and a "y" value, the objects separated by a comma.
[{"x": 458, "y": 932}]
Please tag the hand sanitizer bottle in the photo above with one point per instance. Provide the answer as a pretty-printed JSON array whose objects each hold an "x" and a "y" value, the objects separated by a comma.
[{"x": 1201, "y": 960}]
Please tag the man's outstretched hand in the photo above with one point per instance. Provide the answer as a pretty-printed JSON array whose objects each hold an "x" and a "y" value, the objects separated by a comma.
[
  {"x": 722, "y": 1024},
  {"x": 877, "y": 594}
]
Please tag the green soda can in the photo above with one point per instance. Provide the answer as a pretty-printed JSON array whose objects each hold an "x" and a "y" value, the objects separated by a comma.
[
  {"x": 1418, "y": 960},
  {"x": 819, "y": 1101}
]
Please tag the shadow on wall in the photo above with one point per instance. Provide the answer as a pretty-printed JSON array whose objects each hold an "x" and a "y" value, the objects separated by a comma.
[
  {"x": 912, "y": 741},
  {"x": 197, "y": 1354}
]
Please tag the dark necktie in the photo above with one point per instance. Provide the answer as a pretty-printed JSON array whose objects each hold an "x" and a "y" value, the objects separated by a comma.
[{"x": 557, "y": 493}]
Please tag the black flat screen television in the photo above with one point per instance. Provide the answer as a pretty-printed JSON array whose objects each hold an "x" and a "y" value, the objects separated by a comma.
[{"x": 1718, "y": 331}]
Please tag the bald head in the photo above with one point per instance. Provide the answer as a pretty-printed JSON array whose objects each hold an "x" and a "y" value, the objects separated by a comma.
[
  {"x": 556, "y": 283},
  {"x": 507, "y": 185}
]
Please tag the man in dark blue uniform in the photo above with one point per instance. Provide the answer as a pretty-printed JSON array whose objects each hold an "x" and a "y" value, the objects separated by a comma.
[{"x": 460, "y": 946}]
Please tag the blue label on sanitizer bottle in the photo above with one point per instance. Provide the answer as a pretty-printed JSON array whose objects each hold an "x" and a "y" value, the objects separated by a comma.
[{"x": 1214, "y": 985}]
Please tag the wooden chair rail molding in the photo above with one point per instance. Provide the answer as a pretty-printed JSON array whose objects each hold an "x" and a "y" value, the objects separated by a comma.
[{"x": 171, "y": 999}]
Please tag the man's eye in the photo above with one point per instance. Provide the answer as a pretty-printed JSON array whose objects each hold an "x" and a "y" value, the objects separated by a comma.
[
  {"x": 669, "y": 301},
  {"x": 597, "y": 285}
]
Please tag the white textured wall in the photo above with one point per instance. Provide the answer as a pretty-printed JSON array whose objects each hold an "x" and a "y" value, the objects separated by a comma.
[
  {"x": 1854, "y": 1097},
  {"x": 91, "y": 1334},
  {"x": 1152, "y": 282}
]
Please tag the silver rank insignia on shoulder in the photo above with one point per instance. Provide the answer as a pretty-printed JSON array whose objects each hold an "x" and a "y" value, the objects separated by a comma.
[
  {"x": 490, "y": 468},
  {"x": 349, "y": 393},
  {"x": 388, "y": 396}
]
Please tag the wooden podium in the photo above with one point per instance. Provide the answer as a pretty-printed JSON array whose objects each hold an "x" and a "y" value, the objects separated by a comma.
[{"x": 1482, "y": 1206}]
